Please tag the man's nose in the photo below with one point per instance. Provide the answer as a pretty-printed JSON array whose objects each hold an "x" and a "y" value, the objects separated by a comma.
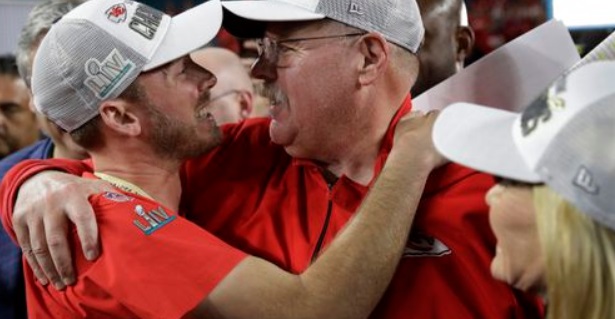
[
  {"x": 208, "y": 81},
  {"x": 264, "y": 69}
]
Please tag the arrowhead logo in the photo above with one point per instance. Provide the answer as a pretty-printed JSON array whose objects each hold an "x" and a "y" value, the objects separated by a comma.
[
  {"x": 117, "y": 13},
  {"x": 421, "y": 245}
]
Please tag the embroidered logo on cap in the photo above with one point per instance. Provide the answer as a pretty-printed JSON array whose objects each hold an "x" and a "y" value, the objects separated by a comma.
[
  {"x": 105, "y": 76},
  {"x": 151, "y": 221},
  {"x": 585, "y": 181},
  {"x": 541, "y": 110},
  {"x": 117, "y": 13},
  {"x": 355, "y": 8},
  {"x": 421, "y": 245},
  {"x": 146, "y": 21}
]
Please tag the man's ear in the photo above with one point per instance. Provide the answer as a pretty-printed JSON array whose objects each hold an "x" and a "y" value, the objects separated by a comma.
[
  {"x": 119, "y": 116},
  {"x": 246, "y": 104},
  {"x": 375, "y": 50},
  {"x": 465, "y": 44}
]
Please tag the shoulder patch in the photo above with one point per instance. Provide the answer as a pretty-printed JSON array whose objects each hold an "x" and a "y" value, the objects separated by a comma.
[{"x": 150, "y": 221}]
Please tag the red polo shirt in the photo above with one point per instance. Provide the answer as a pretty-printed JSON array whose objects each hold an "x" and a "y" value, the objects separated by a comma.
[
  {"x": 154, "y": 264},
  {"x": 282, "y": 209},
  {"x": 252, "y": 194}
]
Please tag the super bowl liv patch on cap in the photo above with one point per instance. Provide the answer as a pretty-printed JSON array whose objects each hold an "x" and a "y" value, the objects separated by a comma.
[
  {"x": 399, "y": 21},
  {"x": 565, "y": 139},
  {"x": 98, "y": 49}
]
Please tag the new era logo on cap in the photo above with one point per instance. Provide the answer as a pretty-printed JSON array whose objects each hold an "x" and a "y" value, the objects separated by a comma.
[
  {"x": 585, "y": 181},
  {"x": 355, "y": 8}
]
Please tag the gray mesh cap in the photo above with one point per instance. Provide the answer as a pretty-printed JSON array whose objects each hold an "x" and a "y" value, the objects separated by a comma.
[
  {"x": 98, "y": 49},
  {"x": 564, "y": 139},
  {"x": 399, "y": 21}
]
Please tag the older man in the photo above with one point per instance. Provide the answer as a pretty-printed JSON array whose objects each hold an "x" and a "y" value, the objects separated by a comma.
[
  {"x": 129, "y": 94},
  {"x": 338, "y": 75}
]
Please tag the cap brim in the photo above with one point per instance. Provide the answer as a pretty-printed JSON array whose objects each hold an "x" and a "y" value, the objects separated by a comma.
[
  {"x": 481, "y": 138},
  {"x": 248, "y": 19},
  {"x": 188, "y": 31}
]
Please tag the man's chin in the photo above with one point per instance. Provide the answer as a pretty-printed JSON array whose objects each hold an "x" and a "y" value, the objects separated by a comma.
[{"x": 281, "y": 134}]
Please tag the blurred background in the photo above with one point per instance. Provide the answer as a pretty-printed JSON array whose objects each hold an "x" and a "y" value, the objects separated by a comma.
[{"x": 494, "y": 21}]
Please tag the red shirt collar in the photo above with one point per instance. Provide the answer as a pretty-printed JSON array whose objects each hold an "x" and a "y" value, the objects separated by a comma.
[
  {"x": 386, "y": 144},
  {"x": 387, "y": 141}
]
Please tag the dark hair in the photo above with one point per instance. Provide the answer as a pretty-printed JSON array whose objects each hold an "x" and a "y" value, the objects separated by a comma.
[
  {"x": 40, "y": 19},
  {"x": 8, "y": 65}
]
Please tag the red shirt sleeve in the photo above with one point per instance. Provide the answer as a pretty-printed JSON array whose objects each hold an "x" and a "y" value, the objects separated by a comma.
[
  {"x": 22, "y": 172},
  {"x": 154, "y": 264}
]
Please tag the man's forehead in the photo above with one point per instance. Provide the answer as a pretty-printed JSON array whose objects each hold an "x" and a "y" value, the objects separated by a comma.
[
  {"x": 15, "y": 83},
  {"x": 286, "y": 29},
  {"x": 13, "y": 90}
]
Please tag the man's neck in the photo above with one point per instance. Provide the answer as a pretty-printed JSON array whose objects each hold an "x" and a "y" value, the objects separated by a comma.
[
  {"x": 355, "y": 155},
  {"x": 59, "y": 151},
  {"x": 357, "y": 166},
  {"x": 157, "y": 177}
]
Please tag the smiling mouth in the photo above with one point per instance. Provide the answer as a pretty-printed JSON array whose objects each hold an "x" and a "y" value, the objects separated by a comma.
[{"x": 202, "y": 105}]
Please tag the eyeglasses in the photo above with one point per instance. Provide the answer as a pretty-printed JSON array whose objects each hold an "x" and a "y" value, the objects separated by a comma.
[{"x": 275, "y": 52}]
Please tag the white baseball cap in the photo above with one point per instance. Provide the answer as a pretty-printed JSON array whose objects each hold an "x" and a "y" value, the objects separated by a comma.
[
  {"x": 565, "y": 139},
  {"x": 399, "y": 21},
  {"x": 99, "y": 48}
]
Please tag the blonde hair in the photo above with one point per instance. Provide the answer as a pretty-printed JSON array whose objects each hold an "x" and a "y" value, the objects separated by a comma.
[{"x": 579, "y": 259}]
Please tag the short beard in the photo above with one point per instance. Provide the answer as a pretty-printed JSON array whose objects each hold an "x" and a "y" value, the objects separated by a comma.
[{"x": 173, "y": 139}]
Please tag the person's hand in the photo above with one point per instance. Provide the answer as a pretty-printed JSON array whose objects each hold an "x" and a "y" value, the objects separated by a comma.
[
  {"x": 44, "y": 206},
  {"x": 413, "y": 138}
]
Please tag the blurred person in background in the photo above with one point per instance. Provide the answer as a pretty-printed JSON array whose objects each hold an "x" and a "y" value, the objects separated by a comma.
[
  {"x": 449, "y": 40},
  {"x": 248, "y": 55},
  {"x": 58, "y": 145},
  {"x": 18, "y": 127},
  {"x": 553, "y": 210},
  {"x": 232, "y": 98}
]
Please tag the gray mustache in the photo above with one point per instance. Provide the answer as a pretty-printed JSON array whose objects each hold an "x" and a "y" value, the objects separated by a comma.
[{"x": 273, "y": 93}]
